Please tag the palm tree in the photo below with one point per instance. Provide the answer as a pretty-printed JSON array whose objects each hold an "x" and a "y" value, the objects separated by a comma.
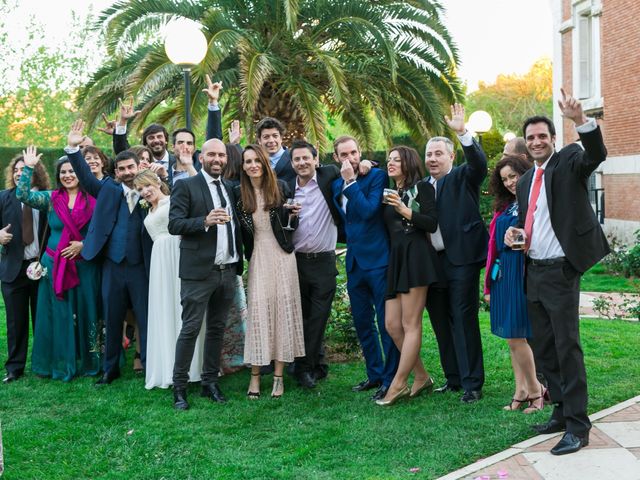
[{"x": 295, "y": 60}]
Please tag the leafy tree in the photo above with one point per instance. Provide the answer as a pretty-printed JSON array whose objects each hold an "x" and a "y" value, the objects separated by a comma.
[
  {"x": 512, "y": 98},
  {"x": 295, "y": 60}
]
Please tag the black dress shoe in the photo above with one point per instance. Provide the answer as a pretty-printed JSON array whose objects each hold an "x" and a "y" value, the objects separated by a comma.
[
  {"x": 108, "y": 377},
  {"x": 180, "y": 400},
  {"x": 471, "y": 396},
  {"x": 213, "y": 391},
  {"x": 11, "y": 377},
  {"x": 552, "y": 426},
  {"x": 321, "y": 372},
  {"x": 570, "y": 443},
  {"x": 448, "y": 388},
  {"x": 307, "y": 380},
  {"x": 366, "y": 385},
  {"x": 380, "y": 393}
]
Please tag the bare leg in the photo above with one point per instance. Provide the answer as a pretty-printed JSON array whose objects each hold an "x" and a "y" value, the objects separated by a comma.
[
  {"x": 278, "y": 384},
  {"x": 412, "y": 305},
  {"x": 254, "y": 382},
  {"x": 521, "y": 393}
]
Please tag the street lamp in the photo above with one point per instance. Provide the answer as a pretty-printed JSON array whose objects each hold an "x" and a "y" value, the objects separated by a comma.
[
  {"x": 508, "y": 137},
  {"x": 480, "y": 122},
  {"x": 186, "y": 46}
]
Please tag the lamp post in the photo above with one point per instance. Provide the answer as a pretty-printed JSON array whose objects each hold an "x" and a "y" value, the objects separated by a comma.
[
  {"x": 480, "y": 122},
  {"x": 186, "y": 46}
]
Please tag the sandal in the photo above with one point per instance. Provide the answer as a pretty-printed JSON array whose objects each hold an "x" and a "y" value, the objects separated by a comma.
[
  {"x": 137, "y": 364},
  {"x": 536, "y": 407},
  {"x": 519, "y": 405},
  {"x": 278, "y": 385},
  {"x": 254, "y": 395}
]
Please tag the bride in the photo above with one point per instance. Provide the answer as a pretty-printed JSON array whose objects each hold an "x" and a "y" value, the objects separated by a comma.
[{"x": 164, "y": 320}]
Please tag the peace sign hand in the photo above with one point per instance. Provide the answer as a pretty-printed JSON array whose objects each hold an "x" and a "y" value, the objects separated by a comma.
[{"x": 572, "y": 108}]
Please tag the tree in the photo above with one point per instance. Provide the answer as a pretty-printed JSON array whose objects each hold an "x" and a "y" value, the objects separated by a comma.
[
  {"x": 512, "y": 98},
  {"x": 291, "y": 59}
]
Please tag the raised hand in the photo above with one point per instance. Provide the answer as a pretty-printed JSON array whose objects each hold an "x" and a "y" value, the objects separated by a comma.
[
  {"x": 5, "y": 236},
  {"x": 212, "y": 90},
  {"x": 184, "y": 156},
  {"x": 109, "y": 125},
  {"x": 572, "y": 108},
  {"x": 31, "y": 156},
  {"x": 456, "y": 122},
  {"x": 76, "y": 136},
  {"x": 364, "y": 167},
  {"x": 235, "y": 132},
  {"x": 159, "y": 170},
  {"x": 346, "y": 171},
  {"x": 126, "y": 111}
]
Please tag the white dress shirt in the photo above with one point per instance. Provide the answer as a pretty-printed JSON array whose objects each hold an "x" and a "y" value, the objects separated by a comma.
[{"x": 222, "y": 251}]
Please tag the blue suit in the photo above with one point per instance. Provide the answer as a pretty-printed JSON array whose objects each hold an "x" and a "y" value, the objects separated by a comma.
[
  {"x": 366, "y": 263},
  {"x": 119, "y": 237}
]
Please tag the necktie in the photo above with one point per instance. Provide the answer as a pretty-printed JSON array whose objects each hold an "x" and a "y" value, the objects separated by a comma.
[
  {"x": 535, "y": 193},
  {"x": 223, "y": 204},
  {"x": 131, "y": 200},
  {"x": 27, "y": 225}
]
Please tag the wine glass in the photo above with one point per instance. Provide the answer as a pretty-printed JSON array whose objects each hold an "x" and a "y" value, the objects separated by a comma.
[{"x": 289, "y": 204}]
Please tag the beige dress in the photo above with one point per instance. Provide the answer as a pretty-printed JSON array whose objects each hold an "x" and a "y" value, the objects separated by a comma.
[{"x": 274, "y": 323}]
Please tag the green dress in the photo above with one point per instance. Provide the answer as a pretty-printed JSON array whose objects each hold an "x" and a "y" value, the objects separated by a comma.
[{"x": 66, "y": 338}]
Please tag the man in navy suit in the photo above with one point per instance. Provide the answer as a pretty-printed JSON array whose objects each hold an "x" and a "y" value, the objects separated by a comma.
[
  {"x": 461, "y": 242},
  {"x": 359, "y": 201},
  {"x": 117, "y": 234}
]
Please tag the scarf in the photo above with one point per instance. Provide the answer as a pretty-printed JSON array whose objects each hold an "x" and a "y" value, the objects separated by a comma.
[{"x": 65, "y": 272}]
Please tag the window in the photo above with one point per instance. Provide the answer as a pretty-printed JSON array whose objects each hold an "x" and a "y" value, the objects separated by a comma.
[
  {"x": 586, "y": 52},
  {"x": 585, "y": 55}
]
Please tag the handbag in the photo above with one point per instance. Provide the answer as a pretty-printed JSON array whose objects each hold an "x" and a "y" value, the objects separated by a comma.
[
  {"x": 496, "y": 271},
  {"x": 35, "y": 270}
]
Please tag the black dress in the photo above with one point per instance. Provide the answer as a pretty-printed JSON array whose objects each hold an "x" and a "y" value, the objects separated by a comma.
[{"x": 412, "y": 258}]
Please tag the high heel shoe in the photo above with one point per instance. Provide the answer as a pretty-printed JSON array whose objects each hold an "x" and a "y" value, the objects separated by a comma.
[
  {"x": 520, "y": 404},
  {"x": 536, "y": 404},
  {"x": 427, "y": 386},
  {"x": 254, "y": 395},
  {"x": 405, "y": 392},
  {"x": 277, "y": 385}
]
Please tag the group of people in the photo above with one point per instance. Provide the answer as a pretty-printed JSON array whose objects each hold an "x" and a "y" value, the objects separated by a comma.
[{"x": 164, "y": 236}]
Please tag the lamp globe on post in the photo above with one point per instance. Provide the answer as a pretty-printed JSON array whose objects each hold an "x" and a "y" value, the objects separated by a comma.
[
  {"x": 480, "y": 122},
  {"x": 186, "y": 46}
]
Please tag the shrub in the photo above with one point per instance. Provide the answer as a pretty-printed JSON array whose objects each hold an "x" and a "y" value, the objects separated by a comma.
[{"x": 341, "y": 335}]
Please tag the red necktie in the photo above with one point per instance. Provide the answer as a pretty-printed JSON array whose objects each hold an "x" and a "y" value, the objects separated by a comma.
[{"x": 535, "y": 193}]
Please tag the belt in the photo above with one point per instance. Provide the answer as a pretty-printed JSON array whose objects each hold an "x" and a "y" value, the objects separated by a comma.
[
  {"x": 546, "y": 262},
  {"x": 309, "y": 256},
  {"x": 30, "y": 260},
  {"x": 224, "y": 266}
]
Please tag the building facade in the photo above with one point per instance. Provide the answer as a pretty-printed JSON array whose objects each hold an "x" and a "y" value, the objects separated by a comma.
[{"x": 597, "y": 56}]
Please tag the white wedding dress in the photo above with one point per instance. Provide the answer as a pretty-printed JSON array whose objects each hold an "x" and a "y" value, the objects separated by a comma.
[{"x": 165, "y": 311}]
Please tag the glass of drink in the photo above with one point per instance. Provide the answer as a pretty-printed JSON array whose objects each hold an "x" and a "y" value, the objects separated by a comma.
[
  {"x": 385, "y": 194},
  {"x": 518, "y": 242},
  {"x": 290, "y": 204}
]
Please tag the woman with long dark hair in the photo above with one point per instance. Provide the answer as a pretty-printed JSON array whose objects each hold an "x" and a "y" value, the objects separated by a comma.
[
  {"x": 66, "y": 338},
  {"x": 504, "y": 286},
  {"x": 274, "y": 324},
  {"x": 409, "y": 215}
]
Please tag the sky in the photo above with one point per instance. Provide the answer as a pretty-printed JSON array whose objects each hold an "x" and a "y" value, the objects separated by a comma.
[{"x": 493, "y": 36}]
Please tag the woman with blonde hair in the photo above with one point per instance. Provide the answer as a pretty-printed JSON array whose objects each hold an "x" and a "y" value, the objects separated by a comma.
[
  {"x": 165, "y": 311},
  {"x": 274, "y": 324}
]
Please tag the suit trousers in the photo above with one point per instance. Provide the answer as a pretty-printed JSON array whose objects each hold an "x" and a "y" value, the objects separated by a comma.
[
  {"x": 553, "y": 299},
  {"x": 123, "y": 285},
  {"x": 367, "y": 289},
  {"x": 317, "y": 277},
  {"x": 19, "y": 296},
  {"x": 214, "y": 295},
  {"x": 453, "y": 310}
]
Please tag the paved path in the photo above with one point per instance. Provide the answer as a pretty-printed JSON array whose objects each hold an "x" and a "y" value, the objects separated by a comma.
[
  {"x": 614, "y": 299},
  {"x": 613, "y": 453}
]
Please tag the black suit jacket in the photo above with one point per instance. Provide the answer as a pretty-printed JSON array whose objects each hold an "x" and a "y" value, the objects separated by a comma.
[
  {"x": 458, "y": 201},
  {"x": 284, "y": 170},
  {"x": 325, "y": 175},
  {"x": 572, "y": 217},
  {"x": 11, "y": 213},
  {"x": 191, "y": 202}
]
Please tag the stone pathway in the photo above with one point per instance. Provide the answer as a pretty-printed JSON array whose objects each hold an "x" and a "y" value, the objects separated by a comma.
[
  {"x": 615, "y": 300},
  {"x": 613, "y": 453}
]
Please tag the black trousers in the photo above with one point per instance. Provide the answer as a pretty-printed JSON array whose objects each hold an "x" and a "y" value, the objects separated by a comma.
[
  {"x": 317, "y": 277},
  {"x": 215, "y": 295},
  {"x": 453, "y": 310},
  {"x": 553, "y": 298},
  {"x": 18, "y": 296}
]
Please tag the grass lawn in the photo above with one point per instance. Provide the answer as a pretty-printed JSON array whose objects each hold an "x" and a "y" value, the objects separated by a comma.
[
  {"x": 55, "y": 430},
  {"x": 598, "y": 280}
]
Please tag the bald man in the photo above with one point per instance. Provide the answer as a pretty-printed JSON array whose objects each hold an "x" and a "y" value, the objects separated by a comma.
[
  {"x": 517, "y": 147},
  {"x": 210, "y": 259}
]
